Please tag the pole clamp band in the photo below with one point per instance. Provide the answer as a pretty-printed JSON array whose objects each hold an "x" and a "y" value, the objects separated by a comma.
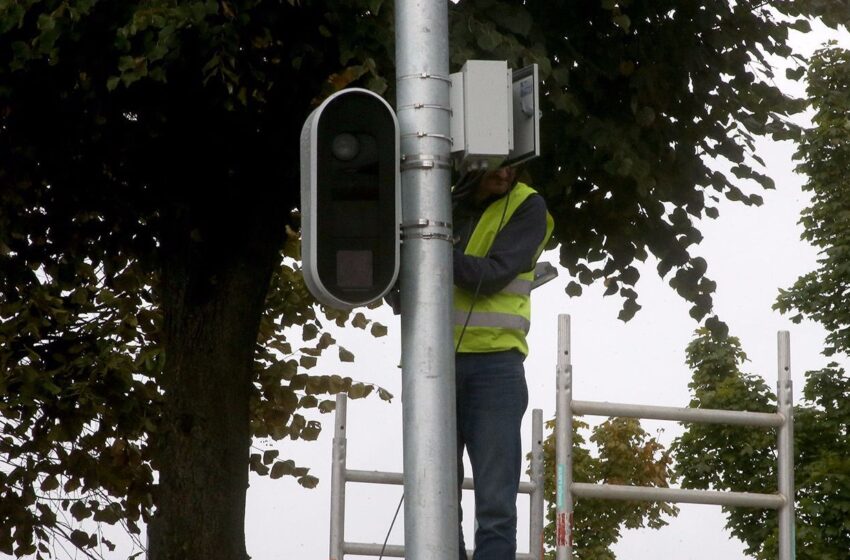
[
  {"x": 425, "y": 106},
  {"x": 425, "y": 76},
  {"x": 421, "y": 134},
  {"x": 414, "y": 230},
  {"x": 425, "y": 161}
]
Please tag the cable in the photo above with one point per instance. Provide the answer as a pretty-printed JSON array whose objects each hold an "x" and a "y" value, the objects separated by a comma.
[
  {"x": 392, "y": 523},
  {"x": 481, "y": 276},
  {"x": 466, "y": 184}
]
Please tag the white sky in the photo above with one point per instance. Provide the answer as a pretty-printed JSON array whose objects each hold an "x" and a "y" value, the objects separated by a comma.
[{"x": 751, "y": 252}]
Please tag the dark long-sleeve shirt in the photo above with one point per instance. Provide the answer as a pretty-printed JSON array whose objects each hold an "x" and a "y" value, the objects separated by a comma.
[{"x": 513, "y": 249}]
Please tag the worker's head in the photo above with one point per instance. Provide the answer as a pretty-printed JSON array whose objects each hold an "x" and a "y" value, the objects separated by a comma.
[{"x": 496, "y": 182}]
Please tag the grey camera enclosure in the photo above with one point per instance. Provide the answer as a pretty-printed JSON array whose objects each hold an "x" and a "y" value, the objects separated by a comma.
[{"x": 350, "y": 199}]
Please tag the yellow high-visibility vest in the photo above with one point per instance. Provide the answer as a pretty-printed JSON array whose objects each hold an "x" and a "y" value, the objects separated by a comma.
[{"x": 499, "y": 321}]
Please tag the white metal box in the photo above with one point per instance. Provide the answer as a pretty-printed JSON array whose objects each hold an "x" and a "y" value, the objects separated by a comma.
[{"x": 482, "y": 113}]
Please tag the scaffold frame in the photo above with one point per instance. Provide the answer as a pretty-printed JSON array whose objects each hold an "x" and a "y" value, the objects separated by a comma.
[
  {"x": 341, "y": 475},
  {"x": 567, "y": 489}
]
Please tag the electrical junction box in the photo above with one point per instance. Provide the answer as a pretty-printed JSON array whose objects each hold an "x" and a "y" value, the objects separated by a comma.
[
  {"x": 495, "y": 115},
  {"x": 482, "y": 119}
]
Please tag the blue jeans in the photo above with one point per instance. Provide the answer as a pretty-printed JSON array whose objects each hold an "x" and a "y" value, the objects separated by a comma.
[{"x": 491, "y": 399}]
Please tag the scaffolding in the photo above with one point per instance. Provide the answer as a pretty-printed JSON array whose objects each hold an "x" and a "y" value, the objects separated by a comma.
[
  {"x": 566, "y": 489},
  {"x": 341, "y": 474}
]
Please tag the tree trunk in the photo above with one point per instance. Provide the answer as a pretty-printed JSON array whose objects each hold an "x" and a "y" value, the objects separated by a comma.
[{"x": 215, "y": 275}]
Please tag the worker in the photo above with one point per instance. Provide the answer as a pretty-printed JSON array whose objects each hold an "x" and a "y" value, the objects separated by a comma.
[{"x": 500, "y": 228}]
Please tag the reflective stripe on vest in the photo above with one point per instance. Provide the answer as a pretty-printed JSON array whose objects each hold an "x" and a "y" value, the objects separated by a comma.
[
  {"x": 519, "y": 286},
  {"x": 492, "y": 319}
]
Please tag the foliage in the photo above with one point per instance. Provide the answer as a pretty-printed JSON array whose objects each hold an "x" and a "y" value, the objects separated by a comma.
[
  {"x": 824, "y": 151},
  {"x": 728, "y": 457},
  {"x": 743, "y": 459},
  {"x": 117, "y": 120},
  {"x": 148, "y": 168},
  {"x": 81, "y": 362},
  {"x": 625, "y": 455},
  {"x": 833, "y": 13},
  {"x": 822, "y": 435},
  {"x": 637, "y": 97}
]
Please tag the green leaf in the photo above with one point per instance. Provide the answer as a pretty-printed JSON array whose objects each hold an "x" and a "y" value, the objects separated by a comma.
[
  {"x": 359, "y": 390},
  {"x": 337, "y": 384},
  {"x": 282, "y": 468},
  {"x": 49, "y": 484},
  {"x": 80, "y": 539},
  {"x": 308, "y": 481},
  {"x": 309, "y": 331},
  {"x": 269, "y": 456},
  {"x": 360, "y": 321},
  {"x": 573, "y": 289},
  {"x": 80, "y": 511},
  {"x": 345, "y": 355},
  {"x": 630, "y": 307},
  {"x": 795, "y": 73},
  {"x": 307, "y": 362}
]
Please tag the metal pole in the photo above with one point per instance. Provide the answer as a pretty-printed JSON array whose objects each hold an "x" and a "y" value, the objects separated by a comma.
[
  {"x": 338, "y": 481},
  {"x": 564, "y": 445},
  {"x": 535, "y": 530},
  {"x": 428, "y": 392},
  {"x": 658, "y": 494},
  {"x": 784, "y": 397},
  {"x": 703, "y": 415}
]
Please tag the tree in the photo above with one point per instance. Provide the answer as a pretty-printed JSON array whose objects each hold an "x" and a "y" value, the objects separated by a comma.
[
  {"x": 822, "y": 295},
  {"x": 729, "y": 457},
  {"x": 739, "y": 459},
  {"x": 144, "y": 216},
  {"x": 149, "y": 172},
  {"x": 626, "y": 455},
  {"x": 824, "y": 152},
  {"x": 742, "y": 459}
]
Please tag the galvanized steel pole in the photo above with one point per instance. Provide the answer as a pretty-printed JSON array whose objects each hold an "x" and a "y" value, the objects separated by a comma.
[
  {"x": 785, "y": 407},
  {"x": 338, "y": 481},
  {"x": 685, "y": 496},
  {"x": 536, "y": 517},
  {"x": 564, "y": 445},
  {"x": 428, "y": 392}
]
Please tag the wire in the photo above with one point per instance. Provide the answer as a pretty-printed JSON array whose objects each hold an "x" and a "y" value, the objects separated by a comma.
[
  {"x": 387, "y": 538},
  {"x": 481, "y": 276},
  {"x": 466, "y": 185}
]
